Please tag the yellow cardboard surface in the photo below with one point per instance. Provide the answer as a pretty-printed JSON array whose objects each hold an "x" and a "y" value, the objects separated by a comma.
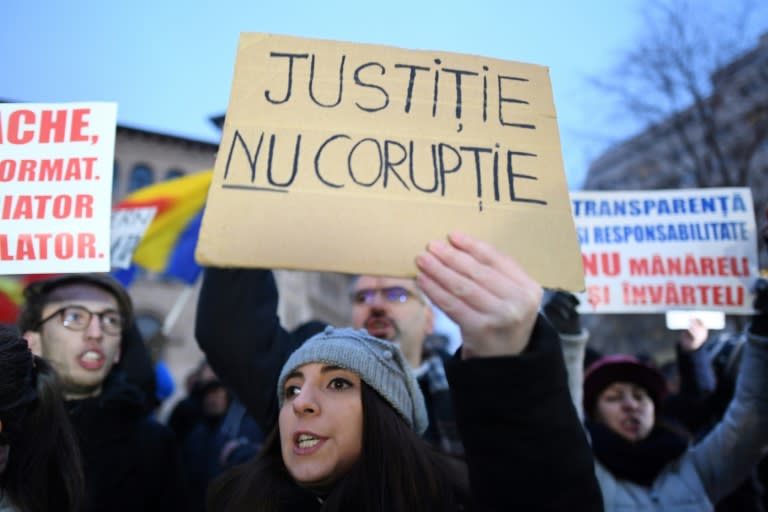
[{"x": 350, "y": 158}]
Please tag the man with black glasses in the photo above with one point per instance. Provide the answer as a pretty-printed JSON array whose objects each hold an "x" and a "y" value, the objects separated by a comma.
[{"x": 78, "y": 322}]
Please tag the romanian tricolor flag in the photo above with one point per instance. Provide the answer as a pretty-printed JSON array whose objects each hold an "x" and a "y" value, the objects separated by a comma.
[
  {"x": 168, "y": 246},
  {"x": 11, "y": 297}
]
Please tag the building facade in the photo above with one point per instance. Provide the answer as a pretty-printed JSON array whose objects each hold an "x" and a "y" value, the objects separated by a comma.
[{"x": 720, "y": 141}]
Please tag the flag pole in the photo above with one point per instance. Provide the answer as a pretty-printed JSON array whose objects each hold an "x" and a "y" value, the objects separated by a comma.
[{"x": 178, "y": 307}]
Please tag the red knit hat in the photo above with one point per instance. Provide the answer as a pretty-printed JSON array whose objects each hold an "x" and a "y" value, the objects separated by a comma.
[{"x": 609, "y": 369}]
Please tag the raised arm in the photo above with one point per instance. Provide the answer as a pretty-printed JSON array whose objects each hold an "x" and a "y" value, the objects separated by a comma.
[
  {"x": 727, "y": 454},
  {"x": 697, "y": 377},
  {"x": 693, "y": 405},
  {"x": 561, "y": 311},
  {"x": 525, "y": 447},
  {"x": 485, "y": 292},
  {"x": 238, "y": 329}
]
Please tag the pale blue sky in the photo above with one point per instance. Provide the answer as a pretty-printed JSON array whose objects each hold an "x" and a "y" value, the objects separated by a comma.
[{"x": 168, "y": 64}]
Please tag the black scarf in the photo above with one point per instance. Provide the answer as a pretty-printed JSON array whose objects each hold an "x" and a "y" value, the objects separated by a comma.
[{"x": 639, "y": 462}]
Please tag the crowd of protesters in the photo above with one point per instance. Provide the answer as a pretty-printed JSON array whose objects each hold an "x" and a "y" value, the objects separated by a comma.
[{"x": 371, "y": 416}]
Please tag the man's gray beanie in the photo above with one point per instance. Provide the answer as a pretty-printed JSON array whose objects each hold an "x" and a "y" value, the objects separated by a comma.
[{"x": 379, "y": 363}]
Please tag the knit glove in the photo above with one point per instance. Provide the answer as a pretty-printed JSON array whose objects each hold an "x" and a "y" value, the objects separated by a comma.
[
  {"x": 759, "y": 326},
  {"x": 561, "y": 312}
]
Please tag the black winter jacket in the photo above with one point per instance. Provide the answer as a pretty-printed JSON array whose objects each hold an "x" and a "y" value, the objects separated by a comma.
[
  {"x": 525, "y": 447},
  {"x": 131, "y": 462}
]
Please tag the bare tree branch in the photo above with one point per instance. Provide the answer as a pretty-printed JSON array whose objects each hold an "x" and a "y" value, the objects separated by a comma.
[{"x": 666, "y": 79}]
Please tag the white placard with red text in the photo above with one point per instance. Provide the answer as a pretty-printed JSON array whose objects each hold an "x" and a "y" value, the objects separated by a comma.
[
  {"x": 56, "y": 164},
  {"x": 653, "y": 251},
  {"x": 128, "y": 227}
]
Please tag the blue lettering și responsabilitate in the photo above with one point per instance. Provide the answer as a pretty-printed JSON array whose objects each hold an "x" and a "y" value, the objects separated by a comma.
[{"x": 692, "y": 232}]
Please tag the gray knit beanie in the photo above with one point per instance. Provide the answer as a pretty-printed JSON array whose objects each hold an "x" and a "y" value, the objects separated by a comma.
[{"x": 379, "y": 363}]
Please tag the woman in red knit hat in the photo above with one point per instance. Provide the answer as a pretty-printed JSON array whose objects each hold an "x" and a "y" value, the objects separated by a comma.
[{"x": 643, "y": 464}]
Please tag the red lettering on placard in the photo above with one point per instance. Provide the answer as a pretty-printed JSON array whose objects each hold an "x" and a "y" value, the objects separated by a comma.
[
  {"x": 17, "y": 121},
  {"x": 42, "y": 246},
  {"x": 79, "y": 122},
  {"x": 51, "y": 126},
  {"x": 5, "y": 255},
  {"x": 688, "y": 295},
  {"x": 43, "y": 240},
  {"x": 605, "y": 264},
  {"x": 42, "y": 206},
  {"x": 48, "y": 169},
  {"x": 27, "y": 170},
  {"x": 725, "y": 266},
  {"x": 25, "y": 247},
  {"x": 64, "y": 247},
  {"x": 86, "y": 245},
  {"x": 673, "y": 294},
  {"x": 597, "y": 295}
]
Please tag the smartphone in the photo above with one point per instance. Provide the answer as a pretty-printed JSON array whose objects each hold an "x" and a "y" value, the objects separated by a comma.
[{"x": 681, "y": 320}]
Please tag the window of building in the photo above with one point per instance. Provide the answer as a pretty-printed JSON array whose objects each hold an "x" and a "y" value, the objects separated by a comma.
[
  {"x": 173, "y": 173},
  {"x": 749, "y": 89},
  {"x": 141, "y": 176}
]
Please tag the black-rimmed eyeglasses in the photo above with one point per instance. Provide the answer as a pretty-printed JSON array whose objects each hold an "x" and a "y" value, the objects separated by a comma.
[
  {"x": 391, "y": 294},
  {"x": 78, "y": 318}
]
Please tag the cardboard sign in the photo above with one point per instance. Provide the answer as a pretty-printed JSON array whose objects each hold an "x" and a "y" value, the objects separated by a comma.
[
  {"x": 56, "y": 163},
  {"x": 128, "y": 227},
  {"x": 653, "y": 251},
  {"x": 350, "y": 158}
]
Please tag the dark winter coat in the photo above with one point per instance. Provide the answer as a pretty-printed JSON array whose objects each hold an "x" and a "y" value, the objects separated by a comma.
[
  {"x": 525, "y": 447},
  {"x": 131, "y": 462}
]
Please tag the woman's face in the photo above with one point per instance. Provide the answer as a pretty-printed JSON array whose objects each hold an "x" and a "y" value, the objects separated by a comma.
[
  {"x": 627, "y": 409},
  {"x": 321, "y": 423}
]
